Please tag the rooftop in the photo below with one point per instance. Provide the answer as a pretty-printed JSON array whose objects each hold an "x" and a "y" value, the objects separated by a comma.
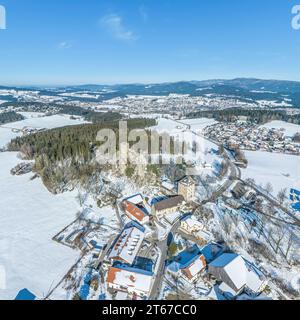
[
  {"x": 130, "y": 279},
  {"x": 170, "y": 202},
  {"x": 127, "y": 245},
  {"x": 240, "y": 272}
]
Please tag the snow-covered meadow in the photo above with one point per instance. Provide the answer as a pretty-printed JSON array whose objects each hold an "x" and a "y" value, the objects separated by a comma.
[
  {"x": 189, "y": 131},
  {"x": 29, "y": 217},
  {"x": 281, "y": 170},
  {"x": 290, "y": 129},
  {"x": 36, "y": 121}
]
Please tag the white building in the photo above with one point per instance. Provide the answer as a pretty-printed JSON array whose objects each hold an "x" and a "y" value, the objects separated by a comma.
[
  {"x": 191, "y": 225},
  {"x": 237, "y": 275},
  {"x": 127, "y": 245},
  {"x": 135, "y": 284}
]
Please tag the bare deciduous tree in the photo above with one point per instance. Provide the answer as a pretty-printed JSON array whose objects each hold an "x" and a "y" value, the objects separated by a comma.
[
  {"x": 269, "y": 188},
  {"x": 282, "y": 195}
]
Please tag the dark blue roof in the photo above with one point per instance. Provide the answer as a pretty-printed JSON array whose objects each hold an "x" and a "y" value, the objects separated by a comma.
[
  {"x": 135, "y": 225},
  {"x": 297, "y": 192},
  {"x": 296, "y": 206},
  {"x": 187, "y": 257},
  {"x": 158, "y": 199},
  {"x": 25, "y": 295}
]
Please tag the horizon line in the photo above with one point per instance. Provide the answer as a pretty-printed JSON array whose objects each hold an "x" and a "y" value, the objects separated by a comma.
[{"x": 140, "y": 82}]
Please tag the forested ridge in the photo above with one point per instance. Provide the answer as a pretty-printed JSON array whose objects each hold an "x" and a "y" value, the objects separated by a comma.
[
  {"x": 259, "y": 116},
  {"x": 65, "y": 155},
  {"x": 53, "y": 108},
  {"x": 11, "y": 116}
]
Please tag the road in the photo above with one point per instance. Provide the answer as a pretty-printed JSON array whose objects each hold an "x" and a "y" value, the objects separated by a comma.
[
  {"x": 273, "y": 201},
  {"x": 163, "y": 248}
]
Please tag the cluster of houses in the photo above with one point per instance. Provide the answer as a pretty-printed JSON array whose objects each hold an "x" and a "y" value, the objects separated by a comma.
[
  {"x": 131, "y": 272},
  {"x": 247, "y": 136},
  {"x": 232, "y": 274},
  {"x": 129, "y": 275}
]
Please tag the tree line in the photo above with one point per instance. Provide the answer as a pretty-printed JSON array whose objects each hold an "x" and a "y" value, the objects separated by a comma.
[
  {"x": 259, "y": 116},
  {"x": 10, "y": 116}
]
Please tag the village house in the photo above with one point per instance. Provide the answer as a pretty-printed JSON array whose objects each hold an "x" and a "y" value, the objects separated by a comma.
[
  {"x": 187, "y": 188},
  {"x": 188, "y": 265},
  {"x": 134, "y": 282},
  {"x": 237, "y": 276},
  {"x": 135, "y": 209},
  {"x": 127, "y": 245},
  {"x": 167, "y": 206},
  {"x": 191, "y": 225}
]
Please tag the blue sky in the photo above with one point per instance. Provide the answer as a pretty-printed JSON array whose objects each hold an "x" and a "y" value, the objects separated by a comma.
[{"x": 116, "y": 41}]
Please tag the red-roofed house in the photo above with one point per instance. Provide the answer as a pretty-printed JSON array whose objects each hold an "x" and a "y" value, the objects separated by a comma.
[{"x": 135, "y": 209}]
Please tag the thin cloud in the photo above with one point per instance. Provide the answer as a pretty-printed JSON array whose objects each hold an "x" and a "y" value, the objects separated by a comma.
[
  {"x": 113, "y": 23},
  {"x": 143, "y": 13},
  {"x": 65, "y": 45}
]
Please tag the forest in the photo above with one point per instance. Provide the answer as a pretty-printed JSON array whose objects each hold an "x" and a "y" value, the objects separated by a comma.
[
  {"x": 11, "y": 116},
  {"x": 259, "y": 116},
  {"x": 65, "y": 155}
]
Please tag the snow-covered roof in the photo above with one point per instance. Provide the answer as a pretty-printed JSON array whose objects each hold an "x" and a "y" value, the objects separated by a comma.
[
  {"x": 191, "y": 259},
  {"x": 227, "y": 290},
  {"x": 138, "y": 211},
  {"x": 203, "y": 235},
  {"x": 240, "y": 272},
  {"x": 127, "y": 245},
  {"x": 168, "y": 185},
  {"x": 136, "y": 199},
  {"x": 196, "y": 267},
  {"x": 192, "y": 222},
  {"x": 130, "y": 279},
  {"x": 172, "y": 217},
  {"x": 211, "y": 251}
]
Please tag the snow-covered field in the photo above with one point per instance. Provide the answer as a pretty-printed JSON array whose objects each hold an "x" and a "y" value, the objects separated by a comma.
[
  {"x": 290, "y": 129},
  {"x": 199, "y": 124},
  {"x": 34, "y": 120},
  {"x": 282, "y": 171},
  {"x": 206, "y": 150},
  {"x": 30, "y": 216}
]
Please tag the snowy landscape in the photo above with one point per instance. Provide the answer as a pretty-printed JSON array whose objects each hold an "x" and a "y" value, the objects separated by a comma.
[{"x": 222, "y": 225}]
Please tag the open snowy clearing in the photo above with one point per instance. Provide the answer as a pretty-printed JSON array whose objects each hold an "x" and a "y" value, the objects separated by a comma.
[
  {"x": 34, "y": 121},
  {"x": 281, "y": 170},
  {"x": 290, "y": 129},
  {"x": 30, "y": 216},
  {"x": 199, "y": 124}
]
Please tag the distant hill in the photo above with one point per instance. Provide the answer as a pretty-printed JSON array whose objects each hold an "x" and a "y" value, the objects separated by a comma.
[
  {"x": 240, "y": 88},
  {"x": 244, "y": 89}
]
